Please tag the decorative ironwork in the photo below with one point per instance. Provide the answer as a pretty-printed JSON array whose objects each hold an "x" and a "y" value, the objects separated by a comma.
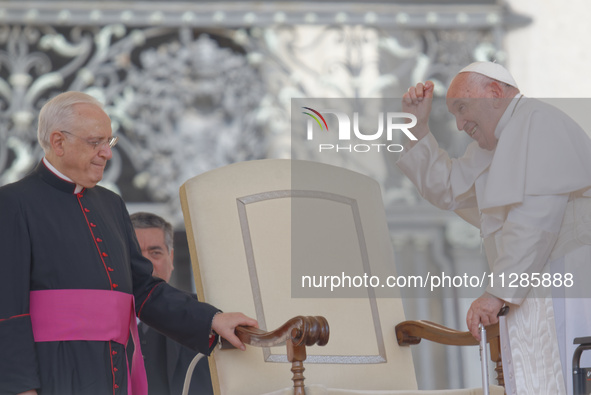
[
  {"x": 223, "y": 97},
  {"x": 180, "y": 102}
]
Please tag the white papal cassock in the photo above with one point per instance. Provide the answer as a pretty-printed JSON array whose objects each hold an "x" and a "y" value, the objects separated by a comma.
[{"x": 531, "y": 199}]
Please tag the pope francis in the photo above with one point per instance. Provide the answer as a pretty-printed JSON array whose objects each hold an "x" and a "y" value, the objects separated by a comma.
[{"x": 526, "y": 183}]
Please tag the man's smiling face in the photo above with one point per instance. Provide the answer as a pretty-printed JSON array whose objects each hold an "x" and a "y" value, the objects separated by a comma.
[{"x": 473, "y": 108}]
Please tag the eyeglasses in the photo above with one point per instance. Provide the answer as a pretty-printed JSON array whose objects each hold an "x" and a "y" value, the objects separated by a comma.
[{"x": 102, "y": 143}]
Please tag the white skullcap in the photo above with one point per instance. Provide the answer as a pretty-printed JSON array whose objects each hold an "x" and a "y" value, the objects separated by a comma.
[{"x": 491, "y": 70}]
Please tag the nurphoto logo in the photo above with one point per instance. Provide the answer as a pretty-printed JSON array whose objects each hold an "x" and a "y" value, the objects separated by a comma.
[{"x": 395, "y": 122}]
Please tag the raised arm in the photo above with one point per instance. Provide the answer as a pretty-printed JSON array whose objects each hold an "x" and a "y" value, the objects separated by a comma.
[{"x": 417, "y": 101}]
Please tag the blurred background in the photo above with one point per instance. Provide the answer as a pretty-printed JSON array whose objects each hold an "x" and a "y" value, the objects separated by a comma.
[{"x": 193, "y": 85}]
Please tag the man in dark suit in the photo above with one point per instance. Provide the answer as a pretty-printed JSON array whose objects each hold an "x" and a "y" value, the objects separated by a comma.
[{"x": 166, "y": 361}]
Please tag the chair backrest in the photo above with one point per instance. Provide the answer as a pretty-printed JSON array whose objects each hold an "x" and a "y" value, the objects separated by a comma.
[{"x": 256, "y": 229}]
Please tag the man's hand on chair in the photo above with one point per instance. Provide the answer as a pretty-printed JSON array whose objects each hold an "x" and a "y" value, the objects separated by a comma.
[
  {"x": 224, "y": 324},
  {"x": 483, "y": 310}
]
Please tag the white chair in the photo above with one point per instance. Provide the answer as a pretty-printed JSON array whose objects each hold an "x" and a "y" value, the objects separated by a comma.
[{"x": 255, "y": 226}]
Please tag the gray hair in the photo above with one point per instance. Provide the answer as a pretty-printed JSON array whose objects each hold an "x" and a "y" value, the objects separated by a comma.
[
  {"x": 58, "y": 114},
  {"x": 143, "y": 220}
]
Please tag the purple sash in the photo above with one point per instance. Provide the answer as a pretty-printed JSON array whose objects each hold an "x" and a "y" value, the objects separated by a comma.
[{"x": 89, "y": 314}]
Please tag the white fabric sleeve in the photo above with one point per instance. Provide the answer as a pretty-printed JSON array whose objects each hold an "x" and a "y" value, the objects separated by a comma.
[
  {"x": 430, "y": 169},
  {"x": 524, "y": 245}
]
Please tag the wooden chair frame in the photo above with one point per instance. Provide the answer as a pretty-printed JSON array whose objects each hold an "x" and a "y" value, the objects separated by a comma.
[
  {"x": 296, "y": 334},
  {"x": 302, "y": 331},
  {"x": 412, "y": 332}
]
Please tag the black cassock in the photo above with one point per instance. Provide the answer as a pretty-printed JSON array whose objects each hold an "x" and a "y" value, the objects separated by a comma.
[
  {"x": 166, "y": 364},
  {"x": 52, "y": 238}
]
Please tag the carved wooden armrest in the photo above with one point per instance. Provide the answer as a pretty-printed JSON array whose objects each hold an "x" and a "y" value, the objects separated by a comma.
[
  {"x": 296, "y": 334},
  {"x": 411, "y": 332},
  {"x": 300, "y": 330}
]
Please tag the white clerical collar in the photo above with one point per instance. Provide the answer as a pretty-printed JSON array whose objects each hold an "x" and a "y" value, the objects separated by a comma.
[
  {"x": 61, "y": 175},
  {"x": 507, "y": 115}
]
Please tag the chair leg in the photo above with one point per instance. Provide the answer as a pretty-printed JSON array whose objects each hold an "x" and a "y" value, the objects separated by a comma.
[
  {"x": 296, "y": 355},
  {"x": 495, "y": 356}
]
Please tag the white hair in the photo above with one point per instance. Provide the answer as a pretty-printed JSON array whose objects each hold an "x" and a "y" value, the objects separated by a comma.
[{"x": 58, "y": 114}]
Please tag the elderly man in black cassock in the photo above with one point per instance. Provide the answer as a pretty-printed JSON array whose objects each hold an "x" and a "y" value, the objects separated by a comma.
[{"x": 73, "y": 277}]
